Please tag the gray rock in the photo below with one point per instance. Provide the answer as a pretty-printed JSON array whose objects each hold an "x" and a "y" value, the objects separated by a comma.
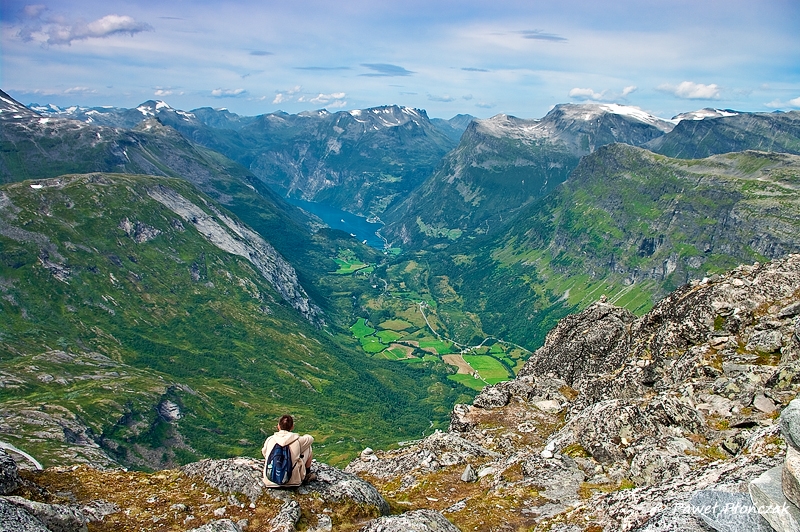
[
  {"x": 550, "y": 406},
  {"x": 333, "y": 484},
  {"x": 790, "y": 478},
  {"x": 655, "y": 465},
  {"x": 728, "y": 512},
  {"x": 233, "y": 475},
  {"x": 764, "y": 404},
  {"x": 416, "y": 521},
  {"x": 767, "y": 494},
  {"x": 15, "y": 519},
  {"x": 56, "y": 517},
  {"x": 560, "y": 478},
  {"x": 458, "y": 419},
  {"x": 438, "y": 450},
  {"x": 492, "y": 397},
  {"x": 9, "y": 475},
  {"x": 287, "y": 517},
  {"x": 765, "y": 341},
  {"x": 593, "y": 341},
  {"x": 673, "y": 519},
  {"x": 221, "y": 525},
  {"x": 469, "y": 474},
  {"x": 789, "y": 311},
  {"x": 790, "y": 423},
  {"x": 603, "y": 428}
]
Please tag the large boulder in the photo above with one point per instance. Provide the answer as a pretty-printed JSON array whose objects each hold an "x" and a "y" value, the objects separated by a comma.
[
  {"x": 590, "y": 342},
  {"x": 333, "y": 484},
  {"x": 790, "y": 424}
]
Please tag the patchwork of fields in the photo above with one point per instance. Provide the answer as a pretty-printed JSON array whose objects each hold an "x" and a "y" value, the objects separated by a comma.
[{"x": 396, "y": 339}]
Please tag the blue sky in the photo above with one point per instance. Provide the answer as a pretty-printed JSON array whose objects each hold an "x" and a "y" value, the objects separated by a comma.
[{"x": 448, "y": 57}]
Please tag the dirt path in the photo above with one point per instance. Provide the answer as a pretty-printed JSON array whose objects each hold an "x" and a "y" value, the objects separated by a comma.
[{"x": 459, "y": 362}]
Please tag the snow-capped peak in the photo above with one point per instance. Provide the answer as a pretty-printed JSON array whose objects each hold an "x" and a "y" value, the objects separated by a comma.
[{"x": 704, "y": 113}]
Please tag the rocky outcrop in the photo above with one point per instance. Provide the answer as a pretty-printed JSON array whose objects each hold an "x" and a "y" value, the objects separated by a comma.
[
  {"x": 220, "y": 525},
  {"x": 623, "y": 423},
  {"x": 55, "y": 517},
  {"x": 415, "y": 521},
  {"x": 243, "y": 475}
]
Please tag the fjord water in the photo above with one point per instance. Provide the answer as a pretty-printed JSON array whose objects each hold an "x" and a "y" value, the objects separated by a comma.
[{"x": 363, "y": 230}]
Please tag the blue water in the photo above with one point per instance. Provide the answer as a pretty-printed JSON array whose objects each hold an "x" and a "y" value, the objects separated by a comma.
[{"x": 363, "y": 230}]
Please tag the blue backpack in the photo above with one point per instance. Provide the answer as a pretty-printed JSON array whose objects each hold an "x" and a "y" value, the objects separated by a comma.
[{"x": 279, "y": 465}]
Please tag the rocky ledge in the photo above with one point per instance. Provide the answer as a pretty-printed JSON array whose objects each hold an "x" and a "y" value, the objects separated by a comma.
[
  {"x": 626, "y": 423},
  {"x": 208, "y": 496}
]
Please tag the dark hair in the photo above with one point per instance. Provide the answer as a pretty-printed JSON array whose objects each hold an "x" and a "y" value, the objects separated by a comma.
[{"x": 286, "y": 423}]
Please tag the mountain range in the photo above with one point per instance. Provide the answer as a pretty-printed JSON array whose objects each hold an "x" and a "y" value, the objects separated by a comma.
[{"x": 156, "y": 246}]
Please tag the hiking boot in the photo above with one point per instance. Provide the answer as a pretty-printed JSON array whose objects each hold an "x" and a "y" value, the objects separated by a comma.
[{"x": 310, "y": 477}]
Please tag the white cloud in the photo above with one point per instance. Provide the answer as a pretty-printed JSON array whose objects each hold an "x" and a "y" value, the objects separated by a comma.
[
  {"x": 53, "y": 30},
  {"x": 79, "y": 90},
  {"x": 605, "y": 96},
  {"x": 689, "y": 90},
  {"x": 586, "y": 94},
  {"x": 445, "y": 99},
  {"x": 34, "y": 10},
  {"x": 794, "y": 103},
  {"x": 279, "y": 98},
  {"x": 324, "y": 99},
  {"x": 227, "y": 93}
]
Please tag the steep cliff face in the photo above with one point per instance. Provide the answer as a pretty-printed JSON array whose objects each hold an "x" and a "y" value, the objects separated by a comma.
[{"x": 621, "y": 423}]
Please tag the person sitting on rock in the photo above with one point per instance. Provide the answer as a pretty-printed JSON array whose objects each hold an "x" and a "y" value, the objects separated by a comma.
[{"x": 299, "y": 448}]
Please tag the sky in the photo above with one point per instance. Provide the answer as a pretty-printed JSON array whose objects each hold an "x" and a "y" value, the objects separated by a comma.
[{"x": 477, "y": 57}]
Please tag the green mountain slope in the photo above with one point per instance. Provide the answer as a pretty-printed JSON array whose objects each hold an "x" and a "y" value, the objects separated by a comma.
[
  {"x": 143, "y": 321},
  {"x": 504, "y": 163},
  {"x": 631, "y": 225}
]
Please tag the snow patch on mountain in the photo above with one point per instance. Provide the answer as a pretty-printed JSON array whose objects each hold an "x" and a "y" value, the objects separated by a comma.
[{"x": 704, "y": 113}]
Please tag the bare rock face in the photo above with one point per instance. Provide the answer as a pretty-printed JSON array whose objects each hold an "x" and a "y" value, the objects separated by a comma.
[
  {"x": 416, "y": 521},
  {"x": 9, "y": 476},
  {"x": 55, "y": 517},
  {"x": 15, "y": 519},
  {"x": 593, "y": 341},
  {"x": 231, "y": 236},
  {"x": 790, "y": 424}
]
